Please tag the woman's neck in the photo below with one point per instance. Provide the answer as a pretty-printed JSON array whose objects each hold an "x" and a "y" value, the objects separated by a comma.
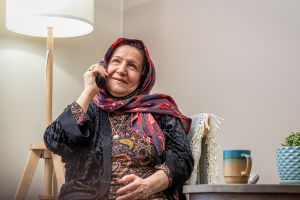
[{"x": 134, "y": 93}]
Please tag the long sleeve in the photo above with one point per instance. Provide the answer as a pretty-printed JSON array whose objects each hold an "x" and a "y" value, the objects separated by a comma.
[
  {"x": 80, "y": 116},
  {"x": 178, "y": 156},
  {"x": 64, "y": 136}
]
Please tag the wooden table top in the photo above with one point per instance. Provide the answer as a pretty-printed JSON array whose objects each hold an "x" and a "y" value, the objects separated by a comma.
[{"x": 242, "y": 188}]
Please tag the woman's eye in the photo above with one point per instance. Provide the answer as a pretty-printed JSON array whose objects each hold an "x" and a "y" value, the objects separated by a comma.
[
  {"x": 116, "y": 61},
  {"x": 132, "y": 66}
]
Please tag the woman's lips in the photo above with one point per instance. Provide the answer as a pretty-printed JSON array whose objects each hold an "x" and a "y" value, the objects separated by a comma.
[{"x": 119, "y": 79}]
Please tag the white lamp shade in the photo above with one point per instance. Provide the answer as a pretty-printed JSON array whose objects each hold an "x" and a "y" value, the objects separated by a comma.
[{"x": 69, "y": 18}]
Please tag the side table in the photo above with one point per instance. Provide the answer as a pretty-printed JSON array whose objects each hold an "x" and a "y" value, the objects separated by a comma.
[{"x": 242, "y": 192}]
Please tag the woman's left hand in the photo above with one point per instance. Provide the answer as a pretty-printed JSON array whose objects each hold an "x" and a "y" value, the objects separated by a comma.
[{"x": 136, "y": 188}]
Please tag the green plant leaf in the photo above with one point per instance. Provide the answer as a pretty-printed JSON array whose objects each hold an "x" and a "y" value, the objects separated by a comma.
[{"x": 292, "y": 140}]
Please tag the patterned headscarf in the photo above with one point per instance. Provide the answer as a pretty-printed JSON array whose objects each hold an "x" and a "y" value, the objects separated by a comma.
[{"x": 143, "y": 104}]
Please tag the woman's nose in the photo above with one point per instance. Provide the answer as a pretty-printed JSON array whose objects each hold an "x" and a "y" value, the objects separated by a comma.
[{"x": 122, "y": 68}]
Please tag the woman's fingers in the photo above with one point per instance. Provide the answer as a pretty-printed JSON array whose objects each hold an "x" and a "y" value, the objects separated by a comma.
[
  {"x": 99, "y": 69},
  {"x": 90, "y": 74},
  {"x": 128, "y": 178},
  {"x": 137, "y": 188},
  {"x": 129, "y": 187},
  {"x": 136, "y": 194}
]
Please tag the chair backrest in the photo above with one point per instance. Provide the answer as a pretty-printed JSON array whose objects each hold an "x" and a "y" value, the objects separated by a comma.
[{"x": 202, "y": 137}]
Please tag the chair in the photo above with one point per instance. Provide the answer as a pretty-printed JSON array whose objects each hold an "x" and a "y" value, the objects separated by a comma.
[{"x": 202, "y": 136}]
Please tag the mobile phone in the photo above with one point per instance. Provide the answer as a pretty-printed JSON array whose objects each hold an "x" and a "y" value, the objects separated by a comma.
[{"x": 100, "y": 81}]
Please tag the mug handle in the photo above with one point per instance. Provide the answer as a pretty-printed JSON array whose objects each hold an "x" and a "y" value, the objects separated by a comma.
[{"x": 249, "y": 164}]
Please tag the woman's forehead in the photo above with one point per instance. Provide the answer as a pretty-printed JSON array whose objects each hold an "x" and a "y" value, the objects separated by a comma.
[{"x": 129, "y": 52}]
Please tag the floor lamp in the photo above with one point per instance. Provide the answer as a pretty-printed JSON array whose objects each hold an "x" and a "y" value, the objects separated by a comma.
[{"x": 50, "y": 19}]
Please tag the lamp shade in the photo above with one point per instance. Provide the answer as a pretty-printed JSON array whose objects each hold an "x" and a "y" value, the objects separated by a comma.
[{"x": 69, "y": 18}]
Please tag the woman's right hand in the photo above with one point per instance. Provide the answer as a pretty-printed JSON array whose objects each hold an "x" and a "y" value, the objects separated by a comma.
[
  {"x": 89, "y": 77},
  {"x": 90, "y": 86}
]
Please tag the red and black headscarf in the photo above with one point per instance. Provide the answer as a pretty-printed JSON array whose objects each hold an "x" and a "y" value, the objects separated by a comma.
[{"x": 143, "y": 104}]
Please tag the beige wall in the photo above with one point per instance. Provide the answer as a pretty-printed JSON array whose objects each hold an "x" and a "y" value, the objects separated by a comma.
[
  {"x": 22, "y": 82},
  {"x": 236, "y": 59}
]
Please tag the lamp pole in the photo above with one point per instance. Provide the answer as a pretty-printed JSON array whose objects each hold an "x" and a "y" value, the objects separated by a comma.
[
  {"x": 59, "y": 169},
  {"x": 49, "y": 76},
  {"x": 48, "y": 172}
]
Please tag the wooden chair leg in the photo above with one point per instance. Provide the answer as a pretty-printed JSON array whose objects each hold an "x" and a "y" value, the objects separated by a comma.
[
  {"x": 48, "y": 173},
  {"x": 59, "y": 170},
  {"x": 55, "y": 189},
  {"x": 27, "y": 175}
]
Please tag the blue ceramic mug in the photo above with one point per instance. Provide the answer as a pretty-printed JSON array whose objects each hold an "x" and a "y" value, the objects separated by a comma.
[{"x": 237, "y": 166}]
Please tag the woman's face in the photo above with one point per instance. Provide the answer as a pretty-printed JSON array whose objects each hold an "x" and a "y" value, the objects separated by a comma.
[{"x": 124, "y": 69}]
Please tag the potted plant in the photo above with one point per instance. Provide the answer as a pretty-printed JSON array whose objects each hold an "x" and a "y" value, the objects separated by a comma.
[{"x": 288, "y": 159}]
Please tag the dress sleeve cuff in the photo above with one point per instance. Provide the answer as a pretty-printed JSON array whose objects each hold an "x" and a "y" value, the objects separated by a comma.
[
  {"x": 79, "y": 115},
  {"x": 166, "y": 169}
]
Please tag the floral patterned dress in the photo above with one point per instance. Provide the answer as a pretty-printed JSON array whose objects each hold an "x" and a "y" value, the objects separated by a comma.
[{"x": 131, "y": 154}]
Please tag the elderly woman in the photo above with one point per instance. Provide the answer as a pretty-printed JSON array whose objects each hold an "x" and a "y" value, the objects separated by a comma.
[{"x": 117, "y": 140}]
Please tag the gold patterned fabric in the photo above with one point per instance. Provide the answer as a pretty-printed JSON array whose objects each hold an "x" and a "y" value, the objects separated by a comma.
[{"x": 131, "y": 154}]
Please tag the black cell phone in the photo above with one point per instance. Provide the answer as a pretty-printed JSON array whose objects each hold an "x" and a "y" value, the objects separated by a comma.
[{"x": 100, "y": 81}]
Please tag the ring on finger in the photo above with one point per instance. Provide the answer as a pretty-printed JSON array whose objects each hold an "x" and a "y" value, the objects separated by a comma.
[{"x": 91, "y": 68}]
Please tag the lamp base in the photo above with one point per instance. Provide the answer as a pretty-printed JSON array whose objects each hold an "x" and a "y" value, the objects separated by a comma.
[{"x": 37, "y": 151}]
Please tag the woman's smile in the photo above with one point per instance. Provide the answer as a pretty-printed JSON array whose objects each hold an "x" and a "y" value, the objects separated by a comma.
[{"x": 120, "y": 80}]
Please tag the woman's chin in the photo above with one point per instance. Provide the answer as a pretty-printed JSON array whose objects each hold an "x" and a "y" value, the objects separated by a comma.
[{"x": 119, "y": 93}]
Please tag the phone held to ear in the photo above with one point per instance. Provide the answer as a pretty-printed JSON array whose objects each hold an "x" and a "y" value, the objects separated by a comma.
[{"x": 100, "y": 81}]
